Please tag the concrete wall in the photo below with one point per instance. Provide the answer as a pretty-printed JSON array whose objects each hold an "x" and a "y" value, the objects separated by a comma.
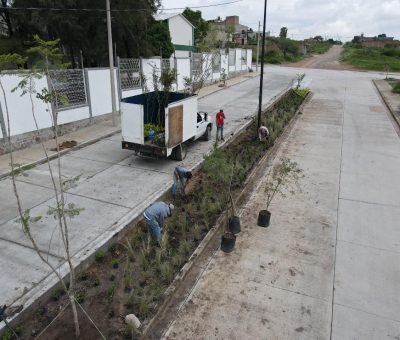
[
  {"x": 98, "y": 93},
  {"x": 148, "y": 67},
  {"x": 19, "y": 107},
  {"x": 183, "y": 67}
]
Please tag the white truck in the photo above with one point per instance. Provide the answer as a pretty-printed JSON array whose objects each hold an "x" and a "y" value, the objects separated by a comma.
[{"x": 160, "y": 123}]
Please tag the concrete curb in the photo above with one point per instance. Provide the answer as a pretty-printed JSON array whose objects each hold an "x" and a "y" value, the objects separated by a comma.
[
  {"x": 85, "y": 257},
  {"x": 63, "y": 152},
  {"x": 396, "y": 118}
]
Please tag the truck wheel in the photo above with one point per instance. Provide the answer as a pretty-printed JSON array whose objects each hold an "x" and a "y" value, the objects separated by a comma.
[
  {"x": 207, "y": 134},
  {"x": 179, "y": 152}
]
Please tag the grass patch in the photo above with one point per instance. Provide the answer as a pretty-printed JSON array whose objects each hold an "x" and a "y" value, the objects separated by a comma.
[
  {"x": 371, "y": 58},
  {"x": 395, "y": 84}
]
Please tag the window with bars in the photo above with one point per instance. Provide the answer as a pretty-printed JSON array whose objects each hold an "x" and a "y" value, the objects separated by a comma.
[{"x": 197, "y": 62}]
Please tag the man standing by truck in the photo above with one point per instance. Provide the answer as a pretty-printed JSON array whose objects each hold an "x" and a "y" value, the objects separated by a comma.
[
  {"x": 155, "y": 216},
  {"x": 181, "y": 177},
  {"x": 219, "y": 119}
]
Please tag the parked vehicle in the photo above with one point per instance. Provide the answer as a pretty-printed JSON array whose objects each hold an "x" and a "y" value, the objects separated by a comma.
[{"x": 160, "y": 123}]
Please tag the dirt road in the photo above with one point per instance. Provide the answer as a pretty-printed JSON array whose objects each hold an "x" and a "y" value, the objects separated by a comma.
[{"x": 328, "y": 60}]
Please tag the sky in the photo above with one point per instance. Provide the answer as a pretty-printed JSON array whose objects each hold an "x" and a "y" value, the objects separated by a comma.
[{"x": 336, "y": 19}]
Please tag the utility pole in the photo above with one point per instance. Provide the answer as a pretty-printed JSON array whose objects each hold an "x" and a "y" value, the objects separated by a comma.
[
  {"x": 258, "y": 44},
  {"x": 262, "y": 68},
  {"x": 111, "y": 61}
]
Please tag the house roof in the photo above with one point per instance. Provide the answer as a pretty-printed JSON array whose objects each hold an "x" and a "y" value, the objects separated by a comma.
[{"x": 167, "y": 16}]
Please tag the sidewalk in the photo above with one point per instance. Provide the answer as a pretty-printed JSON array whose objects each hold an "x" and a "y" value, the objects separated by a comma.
[
  {"x": 34, "y": 154},
  {"x": 328, "y": 265}
]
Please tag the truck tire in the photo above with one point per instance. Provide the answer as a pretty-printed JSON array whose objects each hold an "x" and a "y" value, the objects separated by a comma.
[
  {"x": 179, "y": 153},
  {"x": 207, "y": 134}
]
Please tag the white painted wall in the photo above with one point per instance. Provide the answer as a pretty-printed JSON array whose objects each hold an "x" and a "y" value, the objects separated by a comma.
[
  {"x": 224, "y": 63},
  {"x": 100, "y": 91},
  {"x": 72, "y": 115},
  {"x": 180, "y": 31},
  {"x": 21, "y": 118},
  {"x": 98, "y": 81},
  {"x": 183, "y": 70},
  {"x": 249, "y": 58},
  {"x": 148, "y": 65},
  {"x": 238, "y": 59},
  {"x": 182, "y": 54}
]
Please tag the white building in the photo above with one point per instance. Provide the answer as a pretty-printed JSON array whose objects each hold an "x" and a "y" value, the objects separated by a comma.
[{"x": 181, "y": 31}]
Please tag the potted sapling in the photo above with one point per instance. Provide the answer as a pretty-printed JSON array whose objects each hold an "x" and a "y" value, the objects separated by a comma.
[{"x": 283, "y": 179}]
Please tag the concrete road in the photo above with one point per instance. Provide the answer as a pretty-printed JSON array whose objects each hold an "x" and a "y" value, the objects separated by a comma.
[
  {"x": 114, "y": 187},
  {"x": 328, "y": 267}
]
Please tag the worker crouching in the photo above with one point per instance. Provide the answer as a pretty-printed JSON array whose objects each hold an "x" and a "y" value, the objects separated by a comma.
[{"x": 155, "y": 216}]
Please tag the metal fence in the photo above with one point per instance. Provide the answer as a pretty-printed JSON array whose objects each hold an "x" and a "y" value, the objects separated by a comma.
[
  {"x": 69, "y": 85},
  {"x": 165, "y": 64},
  {"x": 216, "y": 63},
  {"x": 129, "y": 72},
  {"x": 197, "y": 60}
]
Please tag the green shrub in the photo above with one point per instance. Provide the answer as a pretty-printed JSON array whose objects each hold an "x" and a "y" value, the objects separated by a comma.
[
  {"x": 99, "y": 256},
  {"x": 114, "y": 263}
]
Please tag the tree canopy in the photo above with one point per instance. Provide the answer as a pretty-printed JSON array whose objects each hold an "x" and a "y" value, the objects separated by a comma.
[
  {"x": 201, "y": 25},
  {"x": 135, "y": 32},
  {"x": 283, "y": 32}
]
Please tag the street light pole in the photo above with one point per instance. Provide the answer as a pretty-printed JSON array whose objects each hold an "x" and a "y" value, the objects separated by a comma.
[
  {"x": 258, "y": 45},
  {"x": 111, "y": 61},
  {"x": 262, "y": 68}
]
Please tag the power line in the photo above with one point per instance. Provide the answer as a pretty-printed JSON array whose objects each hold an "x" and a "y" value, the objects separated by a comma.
[{"x": 54, "y": 9}]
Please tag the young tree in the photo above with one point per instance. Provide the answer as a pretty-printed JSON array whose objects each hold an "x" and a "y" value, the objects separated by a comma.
[
  {"x": 283, "y": 32},
  {"x": 48, "y": 58}
]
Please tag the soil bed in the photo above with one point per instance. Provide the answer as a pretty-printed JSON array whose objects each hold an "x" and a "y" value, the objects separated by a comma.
[{"x": 133, "y": 275}]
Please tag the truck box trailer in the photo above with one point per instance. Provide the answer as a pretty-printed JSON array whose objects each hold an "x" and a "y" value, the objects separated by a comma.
[{"x": 160, "y": 123}]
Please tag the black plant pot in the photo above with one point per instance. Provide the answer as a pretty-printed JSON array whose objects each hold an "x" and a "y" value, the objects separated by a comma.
[
  {"x": 234, "y": 225},
  {"x": 263, "y": 218},
  {"x": 228, "y": 241}
]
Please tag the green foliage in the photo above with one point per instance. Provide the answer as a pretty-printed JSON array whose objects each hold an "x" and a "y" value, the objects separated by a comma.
[
  {"x": 319, "y": 47},
  {"x": 57, "y": 293},
  {"x": 395, "y": 84},
  {"x": 26, "y": 220},
  {"x": 71, "y": 182},
  {"x": 160, "y": 39},
  {"x": 371, "y": 58},
  {"x": 11, "y": 61},
  {"x": 283, "y": 32},
  {"x": 80, "y": 297},
  {"x": 302, "y": 92},
  {"x": 114, "y": 263},
  {"x": 201, "y": 25},
  {"x": 111, "y": 290},
  {"x": 69, "y": 211},
  {"x": 20, "y": 168},
  {"x": 156, "y": 128},
  {"x": 99, "y": 256},
  {"x": 86, "y": 31}
]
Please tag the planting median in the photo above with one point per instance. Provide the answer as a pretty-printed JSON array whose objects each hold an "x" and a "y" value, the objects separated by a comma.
[{"x": 133, "y": 275}]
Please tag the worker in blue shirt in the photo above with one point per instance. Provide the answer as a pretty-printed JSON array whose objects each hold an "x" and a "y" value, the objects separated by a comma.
[
  {"x": 155, "y": 216},
  {"x": 181, "y": 177}
]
